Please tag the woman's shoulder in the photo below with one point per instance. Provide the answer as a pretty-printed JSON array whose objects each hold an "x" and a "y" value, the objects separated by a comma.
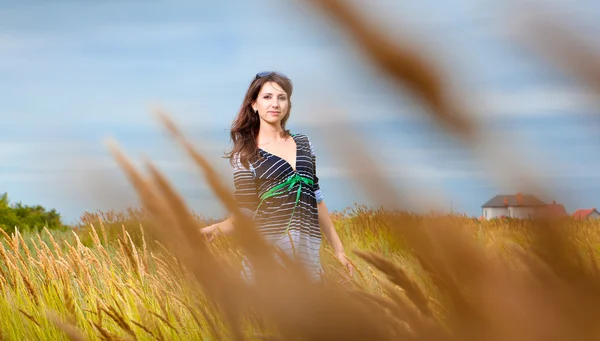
[
  {"x": 304, "y": 142},
  {"x": 237, "y": 163},
  {"x": 301, "y": 137}
]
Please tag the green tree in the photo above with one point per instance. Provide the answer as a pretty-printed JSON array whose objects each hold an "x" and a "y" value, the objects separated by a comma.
[
  {"x": 8, "y": 217},
  {"x": 27, "y": 217}
]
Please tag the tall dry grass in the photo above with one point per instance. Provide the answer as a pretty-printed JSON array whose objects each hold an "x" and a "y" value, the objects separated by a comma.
[
  {"x": 435, "y": 278},
  {"x": 58, "y": 288}
]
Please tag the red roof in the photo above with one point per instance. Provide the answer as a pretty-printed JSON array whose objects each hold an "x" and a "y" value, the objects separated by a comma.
[
  {"x": 554, "y": 210},
  {"x": 583, "y": 213}
]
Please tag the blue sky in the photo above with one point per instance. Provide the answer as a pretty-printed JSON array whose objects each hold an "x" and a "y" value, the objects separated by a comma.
[{"x": 73, "y": 73}]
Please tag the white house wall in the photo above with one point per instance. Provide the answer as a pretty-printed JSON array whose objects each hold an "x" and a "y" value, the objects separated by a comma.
[
  {"x": 522, "y": 212},
  {"x": 594, "y": 215},
  {"x": 494, "y": 212},
  {"x": 513, "y": 212}
]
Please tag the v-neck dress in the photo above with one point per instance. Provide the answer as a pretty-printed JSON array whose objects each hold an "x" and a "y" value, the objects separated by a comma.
[{"x": 283, "y": 202}]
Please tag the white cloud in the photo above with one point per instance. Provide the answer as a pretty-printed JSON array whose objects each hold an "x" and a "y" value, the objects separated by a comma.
[
  {"x": 150, "y": 32},
  {"x": 420, "y": 186},
  {"x": 9, "y": 150},
  {"x": 22, "y": 42},
  {"x": 536, "y": 101},
  {"x": 12, "y": 178},
  {"x": 413, "y": 171},
  {"x": 38, "y": 159}
]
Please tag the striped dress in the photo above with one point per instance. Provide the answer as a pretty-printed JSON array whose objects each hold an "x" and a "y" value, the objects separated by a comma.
[{"x": 283, "y": 202}]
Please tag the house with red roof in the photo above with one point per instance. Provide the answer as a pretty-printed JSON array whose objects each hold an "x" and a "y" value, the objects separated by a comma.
[
  {"x": 553, "y": 210},
  {"x": 512, "y": 205},
  {"x": 521, "y": 206},
  {"x": 586, "y": 213}
]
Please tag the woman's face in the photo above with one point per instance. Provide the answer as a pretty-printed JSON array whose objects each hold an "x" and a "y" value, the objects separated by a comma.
[{"x": 272, "y": 103}]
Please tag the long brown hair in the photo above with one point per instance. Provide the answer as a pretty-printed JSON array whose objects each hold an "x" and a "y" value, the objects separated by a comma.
[{"x": 245, "y": 126}]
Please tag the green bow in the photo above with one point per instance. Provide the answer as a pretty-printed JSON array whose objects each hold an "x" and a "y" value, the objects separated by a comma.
[{"x": 292, "y": 181}]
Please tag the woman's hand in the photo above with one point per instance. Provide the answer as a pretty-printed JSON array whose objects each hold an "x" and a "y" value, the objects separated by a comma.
[
  {"x": 209, "y": 232},
  {"x": 341, "y": 256},
  {"x": 224, "y": 228}
]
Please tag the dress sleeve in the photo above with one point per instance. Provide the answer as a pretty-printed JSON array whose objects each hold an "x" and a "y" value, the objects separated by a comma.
[
  {"x": 318, "y": 193},
  {"x": 245, "y": 193}
]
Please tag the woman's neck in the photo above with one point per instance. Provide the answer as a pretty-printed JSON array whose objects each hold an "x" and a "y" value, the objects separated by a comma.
[{"x": 269, "y": 133}]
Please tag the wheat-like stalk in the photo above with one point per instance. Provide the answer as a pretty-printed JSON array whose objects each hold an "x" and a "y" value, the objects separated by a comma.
[{"x": 419, "y": 278}]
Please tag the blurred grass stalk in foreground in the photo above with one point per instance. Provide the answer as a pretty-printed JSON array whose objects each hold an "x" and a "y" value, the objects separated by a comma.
[{"x": 453, "y": 278}]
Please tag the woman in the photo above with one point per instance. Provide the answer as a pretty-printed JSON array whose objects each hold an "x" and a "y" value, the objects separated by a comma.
[{"x": 275, "y": 177}]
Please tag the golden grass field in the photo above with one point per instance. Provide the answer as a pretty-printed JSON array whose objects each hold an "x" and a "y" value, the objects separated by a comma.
[
  {"x": 109, "y": 281},
  {"x": 445, "y": 278}
]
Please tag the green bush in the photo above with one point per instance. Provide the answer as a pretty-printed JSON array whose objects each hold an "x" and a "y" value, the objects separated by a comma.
[{"x": 25, "y": 218}]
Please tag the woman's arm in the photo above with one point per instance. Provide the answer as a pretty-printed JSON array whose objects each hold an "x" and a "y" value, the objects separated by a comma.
[
  {"x": 325, "y": 220},
  {"x": 332, "y": 236},
  {"x": 245, "y": 194},
  {"x": 224, "y": 228}
]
